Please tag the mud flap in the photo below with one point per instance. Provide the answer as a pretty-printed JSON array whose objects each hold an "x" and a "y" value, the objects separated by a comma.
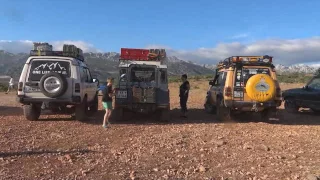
[{"x": 271, "y": 115}]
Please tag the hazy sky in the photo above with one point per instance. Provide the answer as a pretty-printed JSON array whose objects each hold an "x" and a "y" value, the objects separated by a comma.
[{"x": 203, "y": 31}]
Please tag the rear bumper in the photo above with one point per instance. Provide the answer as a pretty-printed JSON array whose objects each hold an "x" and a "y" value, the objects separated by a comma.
[
  {"x": 247, "y": 106},
  {"x": 27, "y": 100},
  {"x": 143, "y": 107}
]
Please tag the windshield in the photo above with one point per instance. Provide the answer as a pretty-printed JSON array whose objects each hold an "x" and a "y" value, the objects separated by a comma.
[
  {"x": 142, "y": 74},
  {"x": 244, "y": 74},
  {"x": 41, "y": 67},
  {"x": 314, "y": 84}
]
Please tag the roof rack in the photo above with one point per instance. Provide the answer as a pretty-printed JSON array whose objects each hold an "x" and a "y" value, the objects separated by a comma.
[
  {"x": 245, "y": 60},
  {"x": 45, "y": 49},
  {"x": 142, "y": 54}
]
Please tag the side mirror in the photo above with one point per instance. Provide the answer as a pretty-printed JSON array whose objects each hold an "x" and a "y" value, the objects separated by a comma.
[{"x": 95, "y": 80}]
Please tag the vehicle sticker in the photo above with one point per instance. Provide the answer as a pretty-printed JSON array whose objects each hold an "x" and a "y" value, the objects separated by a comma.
[{"x": 252, "y": 71}]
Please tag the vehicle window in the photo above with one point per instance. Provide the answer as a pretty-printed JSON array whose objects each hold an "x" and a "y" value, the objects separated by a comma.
[
  {"x": 163, "y": 76},
  {"x": 315, "y": 84},
  {"x": 123, "y": 74},
  {"x": 142, "y": 74},
  {"x": 244, "y": 74},
  {"x": 83, "y": 74},
  {"x": 89, "y": 78},
  {"x": 41, "y": 67}
]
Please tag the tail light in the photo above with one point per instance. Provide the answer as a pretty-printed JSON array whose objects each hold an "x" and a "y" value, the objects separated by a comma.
[
  {"x": 228, "y": 91},
  {"x": 77, "y": 88},
  {"x": 278, "y": 92},
  {"x": 20, "y": 86}
]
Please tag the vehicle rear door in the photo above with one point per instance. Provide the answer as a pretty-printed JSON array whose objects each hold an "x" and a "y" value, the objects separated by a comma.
[
  {"x": 243, "y": 74},
  {"x": 163, "y": 90},
  {"x": 40, "y": 67}
]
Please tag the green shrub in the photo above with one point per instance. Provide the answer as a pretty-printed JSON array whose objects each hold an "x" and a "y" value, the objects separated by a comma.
[
  {"x": 294, "y": 78},
  {"x": 3, "y": 88}
]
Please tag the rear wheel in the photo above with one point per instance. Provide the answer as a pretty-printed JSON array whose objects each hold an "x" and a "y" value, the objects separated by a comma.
[
  {"x": 271, "y": 115},
  {"x": 118, "y": 114},
  {"x": 32, "y": 112},
  {"x": 82, "y": 110},
  {"x": 164, "y": 115},
  {"x": 291, "y": 106}
]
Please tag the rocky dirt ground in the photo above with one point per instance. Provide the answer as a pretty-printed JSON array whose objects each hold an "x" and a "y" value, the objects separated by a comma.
[{"x": 57, "y": 147}]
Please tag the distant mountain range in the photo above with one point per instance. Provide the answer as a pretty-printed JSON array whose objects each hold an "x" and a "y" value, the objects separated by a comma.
[{"x": 105, "y": 64}]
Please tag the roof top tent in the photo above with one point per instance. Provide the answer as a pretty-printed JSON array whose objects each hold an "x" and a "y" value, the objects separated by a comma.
[
  {"x": 45, "y": 49},
  {"x": 146, "y": 55}
]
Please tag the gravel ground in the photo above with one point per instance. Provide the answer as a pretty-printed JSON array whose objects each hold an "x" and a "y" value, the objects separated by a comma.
[{"x": 57, "y": 147}]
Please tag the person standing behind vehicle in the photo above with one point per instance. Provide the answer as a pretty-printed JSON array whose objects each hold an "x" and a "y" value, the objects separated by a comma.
[
  {"x": 184, "y": 94},
  {"x": 107, "y": 94},
  {"x": 11, "y": 85}
]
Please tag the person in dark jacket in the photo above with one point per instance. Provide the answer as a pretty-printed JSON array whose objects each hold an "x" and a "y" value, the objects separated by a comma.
[
  {"x": 184, "y": 94},
  {"x": 107, "y": 94}
]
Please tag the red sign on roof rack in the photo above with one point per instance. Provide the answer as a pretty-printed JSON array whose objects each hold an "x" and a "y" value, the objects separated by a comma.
[{"x": 142, "y": 54}]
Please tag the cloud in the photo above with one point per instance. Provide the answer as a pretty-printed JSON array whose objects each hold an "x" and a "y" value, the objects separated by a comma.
[
  {"x": 16, "y": 46},
  {"x": 284, "y": 51},
  {"x": 26, "y": 45},
  {"x": 240, "y": 36},
  {"x": 86, "y": 47}
]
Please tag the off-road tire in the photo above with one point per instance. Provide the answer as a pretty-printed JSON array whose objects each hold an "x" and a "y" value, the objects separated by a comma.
[
  {"x": 63, "y": 82},
  {"x": 32, "y": 112},
  {"x": 209, "y": 108},
  {"x": 290, "y": 105},
  {"x": 223, "y": 113},
  {"x": 117, "y": 114},
  {"x": 94, "y": 105},
  {"x": 164, "y": 115},
  {"x": 266, "y": 114},
  {"x": 81, "y": 111}
]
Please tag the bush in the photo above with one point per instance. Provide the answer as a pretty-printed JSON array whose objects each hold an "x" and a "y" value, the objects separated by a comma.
[
  {"x": 3, "y": 88},
  {"x": 294, "y": 78}
]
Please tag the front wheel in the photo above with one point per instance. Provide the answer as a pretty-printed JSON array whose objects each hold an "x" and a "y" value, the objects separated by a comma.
[
  {"x": 223, "y": 113},
  {"x": 94, "y": 106}
]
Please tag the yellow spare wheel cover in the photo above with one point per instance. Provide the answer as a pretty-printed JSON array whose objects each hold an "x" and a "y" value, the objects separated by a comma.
[{"x": 261, "y": 88}]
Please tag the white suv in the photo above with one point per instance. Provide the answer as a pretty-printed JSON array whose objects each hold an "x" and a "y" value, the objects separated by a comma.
[{"x": 58, "y": 81}]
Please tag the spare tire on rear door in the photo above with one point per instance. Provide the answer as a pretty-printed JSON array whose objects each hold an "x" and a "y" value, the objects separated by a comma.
[
  {"x": 53, "y": 84},
  {"x": 261, "y": 88}
]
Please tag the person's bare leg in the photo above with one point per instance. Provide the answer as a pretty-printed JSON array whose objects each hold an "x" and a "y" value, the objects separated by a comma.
[
  {"x": 105, "y": 118},
  {"x": 8, "y": 90},
  {"x": 108, "y": 116}
]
